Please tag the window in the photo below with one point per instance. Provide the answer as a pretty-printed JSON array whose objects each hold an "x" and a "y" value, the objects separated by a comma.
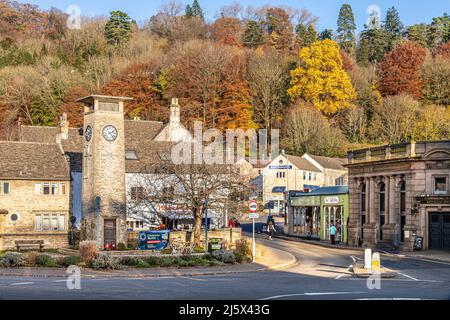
[
  {"x": 4, "y": 187},
  {"x": 402, "y": 211},
  {"x": 47, "y": 188},
  {"x": 381, "y": 210},
  {"x": 50, "y": 222},
  {"x": 304, "y": 175},
  {"x": 315, "y": 176},
  {"x": 362, "y": 206},
  {"x": 309, "y": 176},
  {"x": 137, "y": 193},
  {"x": 14, "y": 217},
  {"x": 131, "y": 155},
  {"x": 281, "y": 174},
  {"x": 440, "y": 185}
]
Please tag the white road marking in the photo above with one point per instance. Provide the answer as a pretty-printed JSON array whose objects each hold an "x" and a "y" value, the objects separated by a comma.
[
  {"x": 21, "y": 283},
  {"x": 65, "y": 280},
  {"x": 409, "y": 277},
  {"x": 309, "y": 294},
  {"x": 344, "y": 273},
  {"x": 353, "y": 258}
]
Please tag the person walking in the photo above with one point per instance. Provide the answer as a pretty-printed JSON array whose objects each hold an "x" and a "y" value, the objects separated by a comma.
[
  {"x": 333, "y": 231},
  {"x": 271, "y": 228}
]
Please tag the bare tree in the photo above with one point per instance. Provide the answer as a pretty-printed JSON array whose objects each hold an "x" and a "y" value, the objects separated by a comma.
[
  {"x": 186, "y": 187},
  {"x": 268, "y": 77}
]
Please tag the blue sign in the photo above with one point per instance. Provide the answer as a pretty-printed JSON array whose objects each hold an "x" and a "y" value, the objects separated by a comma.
[
  {"x": 281, "y": 167},
  {"x": 278, "y": 189},
  {"x": 154, "y": 239}
]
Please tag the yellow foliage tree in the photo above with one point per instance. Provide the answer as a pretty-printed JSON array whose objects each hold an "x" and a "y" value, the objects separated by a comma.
[{"x": 321, "y": 79}]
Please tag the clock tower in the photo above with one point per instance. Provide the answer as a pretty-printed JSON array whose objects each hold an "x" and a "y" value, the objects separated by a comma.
[{"x": 103, "y": 186}]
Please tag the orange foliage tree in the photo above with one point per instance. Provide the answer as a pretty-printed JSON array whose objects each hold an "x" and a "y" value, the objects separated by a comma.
[
  {"x": 227, "y": 31},
  {"x": 399, "y": 72}
]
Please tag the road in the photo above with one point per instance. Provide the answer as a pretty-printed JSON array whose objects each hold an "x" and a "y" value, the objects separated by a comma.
[{"x": 322, "y": 273}]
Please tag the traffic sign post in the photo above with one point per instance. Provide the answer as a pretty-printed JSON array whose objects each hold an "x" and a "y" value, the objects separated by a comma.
[{"x": 253, "y": 208}]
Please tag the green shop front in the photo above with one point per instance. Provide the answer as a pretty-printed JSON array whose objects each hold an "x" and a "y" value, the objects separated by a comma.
[{"x": 312, "y": 213}]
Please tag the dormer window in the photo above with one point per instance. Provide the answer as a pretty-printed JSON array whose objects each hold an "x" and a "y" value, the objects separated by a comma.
[{"x": 131, "y": 155}]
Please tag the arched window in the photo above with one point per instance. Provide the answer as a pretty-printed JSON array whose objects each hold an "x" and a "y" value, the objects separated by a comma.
[
  {"x": 381, "y": 209},
  {"x": 362, "y": 205},
  {"x": 402, "y": 210}
]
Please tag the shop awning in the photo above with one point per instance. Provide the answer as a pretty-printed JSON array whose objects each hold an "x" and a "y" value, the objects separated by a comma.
[{"x": 278, "y": 189}]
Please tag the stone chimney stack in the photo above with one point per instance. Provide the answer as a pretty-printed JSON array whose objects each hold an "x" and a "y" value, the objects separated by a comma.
[
  {"x": 64, "y": 126},
  {"x": 174, "y": 111}
]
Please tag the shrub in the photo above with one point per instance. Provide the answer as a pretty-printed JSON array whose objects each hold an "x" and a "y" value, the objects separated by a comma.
[
  {"x": 238, "y": 256},
  {"x": 106, "y": 262},
  {"x": 244, "y": 247},
  {"x": 130, "y": 261},
  {"x": 31, "y": 258},
  {"x": 88, "y": 251},
  {"x": 167, "y": 261},
  {"x": 69, "y": 261},
  {"x": 198, "y": 250},
  {"x": 121, "y": 246},
  {"x": 12, "y": 259},
  {"x": 151, "y": 261},
  {"x": 167, "y": 251},
  {"x": 44, "y": 260},
  {"x": 224, "y": 256}
]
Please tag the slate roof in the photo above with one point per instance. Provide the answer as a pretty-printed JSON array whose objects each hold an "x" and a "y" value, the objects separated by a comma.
[
  {"x": 330, "y": 163},
  {"x": 328, "y": 191},
  {"x": 302, "y": 163},
  {"x": 32, "y": 161},
  {"x": 139, "y": 137}
]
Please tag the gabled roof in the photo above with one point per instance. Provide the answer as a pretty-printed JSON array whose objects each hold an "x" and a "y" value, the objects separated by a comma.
[
  {"x": 302, "y": 163},
  {"x": 32, "y": 161},
  {"x": 329, "y": 163}
]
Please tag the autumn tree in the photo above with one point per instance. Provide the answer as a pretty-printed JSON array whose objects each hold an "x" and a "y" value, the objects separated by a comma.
[
  {"x": 399, "y": 72},
  {"x": 435, "y": 75},
  {"x": 395, "y": 119},
  {"x": 346, "y": 29},
  {"x": 279, "y": 28},
  {"x": 227, "y": 31},
  {"x": 433, "y": 123},
  {"x": 320, "y": 78},
  {"x": 305, "y": 129},
  {"x": 418, "y": 33}
]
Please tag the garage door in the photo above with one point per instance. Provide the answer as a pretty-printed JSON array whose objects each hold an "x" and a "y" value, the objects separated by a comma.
[{"x": 439, "y": 230}]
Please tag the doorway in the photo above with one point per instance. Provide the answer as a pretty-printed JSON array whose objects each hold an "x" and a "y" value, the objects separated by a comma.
[
  {"x": 334, "y": 215},
  {"x": 110, "y": 233},
  {"x": 439, "y": 230}
]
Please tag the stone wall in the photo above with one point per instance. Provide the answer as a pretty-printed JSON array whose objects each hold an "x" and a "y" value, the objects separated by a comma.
[{"x": 229, "y": 235}]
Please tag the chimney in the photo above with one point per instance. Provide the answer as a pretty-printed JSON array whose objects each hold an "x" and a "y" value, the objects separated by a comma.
[
  {"x": 64, "y": 126},
  {"x": 174, "y": 111}
]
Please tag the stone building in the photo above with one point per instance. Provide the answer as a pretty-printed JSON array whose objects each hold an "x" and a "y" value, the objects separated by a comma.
[
  {"x": 34, "y": 194},
  {"x": 101, "y": 160},
  {"x": 306, "y": 173},
  {"x": 399, "y": 195}
]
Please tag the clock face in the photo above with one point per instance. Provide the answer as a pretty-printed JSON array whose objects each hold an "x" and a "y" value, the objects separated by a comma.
[
  {"x": 110, "y": 133},
  {"x": 88, "y": 133}
]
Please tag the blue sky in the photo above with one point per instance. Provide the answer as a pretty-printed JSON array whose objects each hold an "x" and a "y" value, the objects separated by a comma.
[{"x": 411, "y": 11}]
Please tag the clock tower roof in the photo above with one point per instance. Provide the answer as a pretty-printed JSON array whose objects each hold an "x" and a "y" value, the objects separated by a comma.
[{"x": 90, "y": 99}]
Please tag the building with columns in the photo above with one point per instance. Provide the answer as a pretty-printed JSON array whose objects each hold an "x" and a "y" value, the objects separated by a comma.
[{"x": 399, "y": 196}]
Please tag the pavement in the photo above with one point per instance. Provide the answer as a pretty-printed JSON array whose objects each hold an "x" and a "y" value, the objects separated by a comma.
[{"x": 268, "y": 259}]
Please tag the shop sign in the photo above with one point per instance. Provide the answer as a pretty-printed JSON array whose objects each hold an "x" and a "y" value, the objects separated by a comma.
[
  {"x": 281, "y": 167},
  {"x": 331, "y": 200},
  {"x": 154, "y": 239}
]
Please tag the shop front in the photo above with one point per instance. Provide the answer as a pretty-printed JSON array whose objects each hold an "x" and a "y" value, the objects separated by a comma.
[{"x": 313, "y": 213}]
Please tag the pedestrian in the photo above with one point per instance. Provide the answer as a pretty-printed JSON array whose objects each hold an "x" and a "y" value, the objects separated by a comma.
[
  {"x": 271, "y": 229},
  {"x": 333, "y": 231}
]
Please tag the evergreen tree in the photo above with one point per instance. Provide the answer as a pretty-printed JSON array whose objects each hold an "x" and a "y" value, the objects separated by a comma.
[
  {"x": 375, "y": 43},
  {"x": 188, "y": 12},
  {"x": 439, "y": 32},
  {"x": 306, "y": 34},
  {"x": 326, "y": 34},
  {"x": 118, "y": 28},
  {"x": 393, "y": 26},
  {"x": 253, "y": 35},
  {"x": 197, "y": 10},
  {"x": 418, "y": 33},
  {"x": 346, "y": 29},
  {"x": 362, "y": 53}
]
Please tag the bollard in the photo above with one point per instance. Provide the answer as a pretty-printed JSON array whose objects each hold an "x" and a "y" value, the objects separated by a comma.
[
  {"x": 376, "y": 262},
  {"x": 367, "y": 258}
]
